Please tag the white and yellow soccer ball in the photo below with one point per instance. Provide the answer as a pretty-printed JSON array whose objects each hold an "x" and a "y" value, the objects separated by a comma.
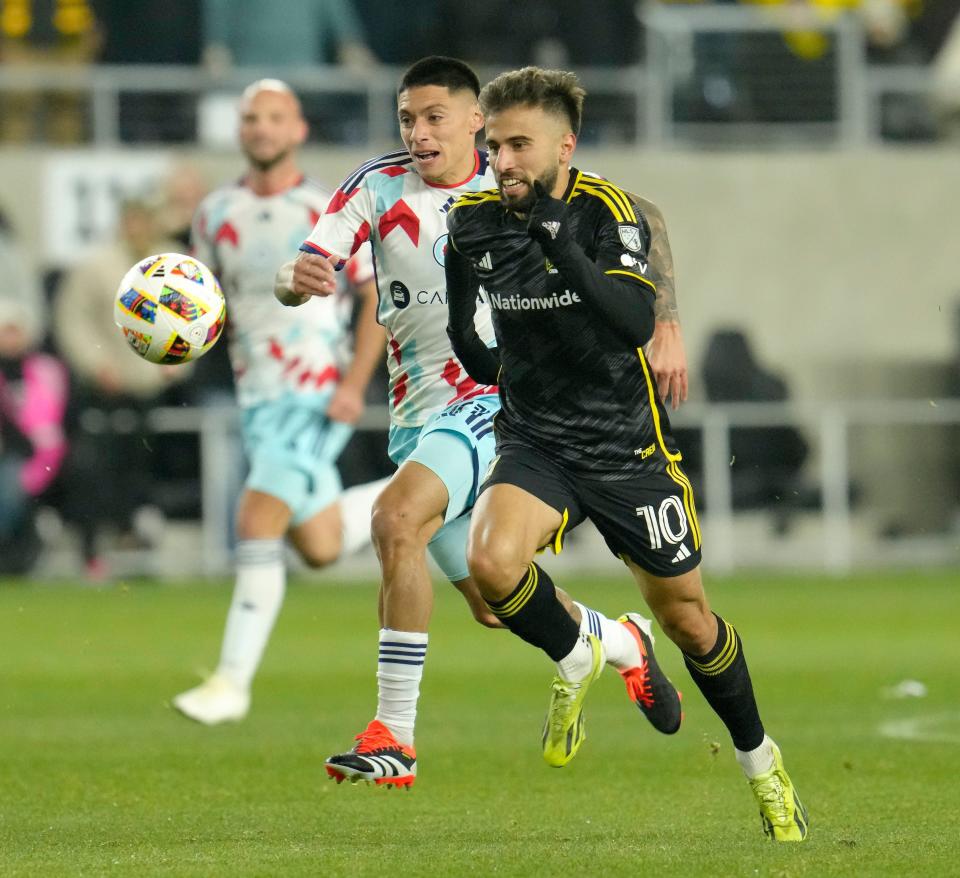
[{"x": 170, "y": 308}]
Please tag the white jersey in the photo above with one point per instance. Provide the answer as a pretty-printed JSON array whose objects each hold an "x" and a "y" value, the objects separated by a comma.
[
  {"x": 387, "y": 203},
  {"x": 275, "y": 351}
]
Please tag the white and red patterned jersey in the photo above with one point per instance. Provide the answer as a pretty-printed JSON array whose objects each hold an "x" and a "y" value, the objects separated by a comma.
[
  {"x": 245, "y": 238},
  {"x": 404, "y": 218}
]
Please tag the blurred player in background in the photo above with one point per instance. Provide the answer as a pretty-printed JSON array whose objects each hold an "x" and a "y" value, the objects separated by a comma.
[
  {"x": 441, "y": 433},
  {"x": 298, "y": 389},
  {"x": 563, "y": 259}
]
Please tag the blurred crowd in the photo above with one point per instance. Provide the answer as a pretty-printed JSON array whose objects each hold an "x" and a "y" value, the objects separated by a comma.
[
  {"x": 734, "y": 76},
  {"x": 78, "y": 445},
  {"x": 74, "y": 403}
]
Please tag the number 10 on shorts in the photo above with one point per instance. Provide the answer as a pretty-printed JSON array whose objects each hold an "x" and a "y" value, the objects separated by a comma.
[{"x": 666, "y": 524}]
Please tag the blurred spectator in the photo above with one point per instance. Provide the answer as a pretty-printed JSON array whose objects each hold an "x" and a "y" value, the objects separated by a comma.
[
  {"x": 153, "y": 33},
  {"x": 251, "y": 33},
  {"x": 19, "y": 283},
  {"x": 150, "y": 33},
  {"x": 397, "y": 37},
  {"x": 791, "y": 76},
  {"x": 181, "y": 192},
  {"x": 766, "y": 461},
  {"x": 300, "y": 33},
  {"x": 61, "y": 33},
  {"x": 33, "y": 402},
  {"x": 108, "y": 475},
  {"x": 555, "y": 33}
]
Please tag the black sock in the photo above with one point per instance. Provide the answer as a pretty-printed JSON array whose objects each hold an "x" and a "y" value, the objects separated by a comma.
[
  {"x": 724, "y": 680},
  {"x": 532, "y": 611}
]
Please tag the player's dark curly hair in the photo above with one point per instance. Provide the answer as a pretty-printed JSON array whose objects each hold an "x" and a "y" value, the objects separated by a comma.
[
  {"x": 450, "y": 73},
  {"x": 554, "y": 91}
]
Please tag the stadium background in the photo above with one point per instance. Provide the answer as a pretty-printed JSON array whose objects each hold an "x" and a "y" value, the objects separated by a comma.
[
  {"x": 805, "y": 166},
  {"x": 805, "y": 158}
]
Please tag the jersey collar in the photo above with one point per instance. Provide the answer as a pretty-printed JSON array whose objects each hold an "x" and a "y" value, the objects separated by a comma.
[
  {"x": 244, "y": 183},
  {"x": 470, "y": 176},
  {"x": 575, "y": 176}
]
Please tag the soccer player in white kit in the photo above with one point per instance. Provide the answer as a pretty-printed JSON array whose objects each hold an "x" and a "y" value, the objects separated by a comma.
[
  {"x": 441, "y": 433},
  {"x": 298, "y": 388}
]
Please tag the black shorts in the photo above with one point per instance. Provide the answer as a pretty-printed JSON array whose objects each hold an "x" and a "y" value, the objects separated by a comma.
[{"x": 649, "y": 519}]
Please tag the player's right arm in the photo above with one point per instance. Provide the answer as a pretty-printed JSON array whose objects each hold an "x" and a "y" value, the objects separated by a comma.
[
  {"x": 342, "y": 228},
  {"x": 310, "y": 274}
]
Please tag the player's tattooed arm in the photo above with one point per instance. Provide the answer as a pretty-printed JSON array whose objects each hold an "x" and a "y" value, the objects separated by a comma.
[
  {"x": 661, "y": 261},
  {"x": 666, "y": 354}
]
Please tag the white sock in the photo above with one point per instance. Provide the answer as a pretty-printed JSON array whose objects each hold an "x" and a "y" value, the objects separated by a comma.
[
  {"x": 620, "y": 648},
  {"x": 257, "y": 597},
  {"x": 356, "y": 505},
  {"x": 399, "y": 672},
  {"x": 754, "y": 762},
  {"x": 577, "y": 664}
]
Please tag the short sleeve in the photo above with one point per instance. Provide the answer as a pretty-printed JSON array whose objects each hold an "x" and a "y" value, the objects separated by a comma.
[
  {"x": 344, "y": 226},
  {"x": 622, "y": 243}
]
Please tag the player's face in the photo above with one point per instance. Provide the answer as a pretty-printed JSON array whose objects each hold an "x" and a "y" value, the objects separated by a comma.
[
  {"x": 271, "y": 128},
  {"x": 438, "y": 128},
  {"x": 527, "y": 144}
]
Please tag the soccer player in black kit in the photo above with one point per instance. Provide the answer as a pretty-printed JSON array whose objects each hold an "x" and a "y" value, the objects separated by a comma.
[{"x": 561, "y": 256}]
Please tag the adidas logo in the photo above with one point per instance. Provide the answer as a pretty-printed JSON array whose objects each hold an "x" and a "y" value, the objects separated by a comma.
[
  {"x": 486, "y": 263},
  {"x": 681, "y": 555},
  {"x": 551, "y": 228}
]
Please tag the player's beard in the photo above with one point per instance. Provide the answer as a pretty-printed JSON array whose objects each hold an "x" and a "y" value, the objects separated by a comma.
[
  {"x": 266, "y": 163},
  {"x": 548, "y": 179}
]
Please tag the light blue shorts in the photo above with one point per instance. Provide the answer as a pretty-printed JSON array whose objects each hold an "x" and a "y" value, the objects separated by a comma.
[
  {"x": 457, "y": 444},
  {"x": 293, "y": 448}
]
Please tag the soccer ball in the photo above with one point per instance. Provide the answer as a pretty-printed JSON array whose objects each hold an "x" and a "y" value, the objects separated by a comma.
[{"x": 170, "y": 308}]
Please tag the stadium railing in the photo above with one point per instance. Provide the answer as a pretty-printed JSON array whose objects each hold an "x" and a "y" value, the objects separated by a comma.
[
  {"x": 697, "y": 62},
  {"x": 834, "y": 545}
]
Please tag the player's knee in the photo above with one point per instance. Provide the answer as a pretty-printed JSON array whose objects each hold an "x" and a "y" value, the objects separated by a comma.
[
  {"x": 261, "y": 516},
  {"x": 395, "y": 528},
  {"x": 689, "y": 628},
  {"x": 495, "y": 565},
  {"x": 320, "y": 555}
]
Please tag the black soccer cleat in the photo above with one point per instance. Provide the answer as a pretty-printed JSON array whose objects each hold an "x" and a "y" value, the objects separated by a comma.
[{"x": 647, "y": 685}]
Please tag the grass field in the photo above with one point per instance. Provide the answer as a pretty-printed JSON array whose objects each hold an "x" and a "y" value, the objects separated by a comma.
[{"x": 98, "y": 776}]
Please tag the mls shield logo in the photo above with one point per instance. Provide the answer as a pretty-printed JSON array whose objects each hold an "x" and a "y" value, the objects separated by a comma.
[{"x": 630, "y": 238}]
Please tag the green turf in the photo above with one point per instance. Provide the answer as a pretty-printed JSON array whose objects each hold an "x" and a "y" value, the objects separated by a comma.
[{"x": 98, "y": 776}]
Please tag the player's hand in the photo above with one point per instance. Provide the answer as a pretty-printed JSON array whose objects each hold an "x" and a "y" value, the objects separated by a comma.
[
  {"x": 310, "y": 274},
  {"x": 668, "y": 360},
  {"x": 347, "y": 404},
  {"x": 315, "y": 275},
  {"x": 547, "y": 221}
]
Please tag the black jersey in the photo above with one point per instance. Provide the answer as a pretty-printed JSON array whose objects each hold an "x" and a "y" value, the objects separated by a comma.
[{"x": 574, "y": 383}]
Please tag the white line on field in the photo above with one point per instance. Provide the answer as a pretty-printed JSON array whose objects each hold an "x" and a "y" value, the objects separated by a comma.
[{"x": 942, "y": 728}]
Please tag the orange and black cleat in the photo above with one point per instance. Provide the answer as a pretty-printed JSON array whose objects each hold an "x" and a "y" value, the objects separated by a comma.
[
  {"x": 647, "y": 685},
  {"x": 377, "y": 757}
]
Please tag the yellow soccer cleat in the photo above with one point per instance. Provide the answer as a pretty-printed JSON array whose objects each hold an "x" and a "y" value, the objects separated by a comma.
[
  {"x": 781, "y": 812},
  {"x": 564, "y": 730}
]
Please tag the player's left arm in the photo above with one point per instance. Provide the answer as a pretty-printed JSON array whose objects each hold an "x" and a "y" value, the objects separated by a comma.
[
  {"x": 665, "y": 352},
  {"x": 369, "y": 343},
  {"x": 615, "y": 283},
  {"x": 482, "y": 363}
]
